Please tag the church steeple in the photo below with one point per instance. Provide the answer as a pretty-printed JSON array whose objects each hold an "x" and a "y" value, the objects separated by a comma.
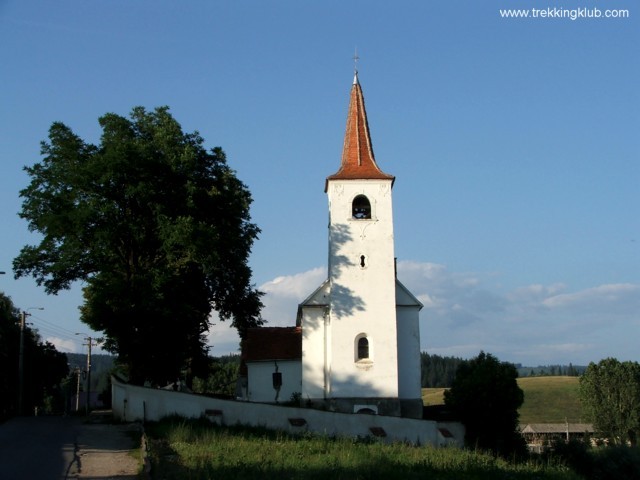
[
  {"x": 361, "y": 350},
  {"x": 358, "y": 161}
]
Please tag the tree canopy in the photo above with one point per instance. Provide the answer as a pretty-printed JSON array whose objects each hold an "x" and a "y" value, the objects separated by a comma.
[
  {"x": 44, "y": 366},
  {"x": 610, "y": 396},
  {"x": 155, "y": 226},
  {"x": 437, "y": 371},
  {"x": 485, "y": 396}
]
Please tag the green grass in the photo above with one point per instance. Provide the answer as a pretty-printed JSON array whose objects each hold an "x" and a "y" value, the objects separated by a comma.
[
  {"x": 433, "y": 396},
  {"x": 550, "y": 400},
  {"x": 197, "y": 450},
  {"x": 546, "y": 399}
]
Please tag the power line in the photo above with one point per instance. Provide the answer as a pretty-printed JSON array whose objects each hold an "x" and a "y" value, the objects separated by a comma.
[
  {"x": 52, "y": 331},
  {"x": 69, "y": 332}
]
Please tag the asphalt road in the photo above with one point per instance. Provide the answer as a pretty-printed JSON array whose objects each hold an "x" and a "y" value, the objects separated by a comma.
[
  {"x": 37, "y": 447},
  {"x": 56, "y": 448}
]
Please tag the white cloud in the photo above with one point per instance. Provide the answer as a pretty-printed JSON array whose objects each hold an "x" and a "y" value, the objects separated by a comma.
[
  {"x": 534, "y": 324},
  {"x": 284, "y": 293},
  {"x": 281, "y": 299},
  {"x": 619, "y": 297},
  {"x": 295, "y": 286},
  {"x": 465, "y": 312},
  {"x": 535, "y": 294},
  {"x": 65, "y": 346}
]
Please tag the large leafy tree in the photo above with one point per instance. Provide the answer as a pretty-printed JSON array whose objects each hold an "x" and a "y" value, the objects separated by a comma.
[
  {"x": 158, "y": 230},
  {"x": 485, "y": 396},
  {"x": 610, "y": 396}
]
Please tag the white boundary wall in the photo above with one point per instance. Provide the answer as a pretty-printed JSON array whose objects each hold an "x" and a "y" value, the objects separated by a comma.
[{"x": 132, "y": 403}]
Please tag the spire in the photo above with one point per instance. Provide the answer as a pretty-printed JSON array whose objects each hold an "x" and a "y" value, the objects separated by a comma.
[{"x": 358, "y": 162}]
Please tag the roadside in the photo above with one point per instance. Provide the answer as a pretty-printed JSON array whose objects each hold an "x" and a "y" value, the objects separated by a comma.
[
  {"x": 64, "y": 448},
  {"x": 106, "y": 451}
]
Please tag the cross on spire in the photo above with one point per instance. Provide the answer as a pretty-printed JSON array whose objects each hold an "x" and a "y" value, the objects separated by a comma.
[{"x": 355, "y": 66}]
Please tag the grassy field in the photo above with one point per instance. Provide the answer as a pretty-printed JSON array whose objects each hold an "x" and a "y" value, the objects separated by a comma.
[
  {"x": 550, "y": 400},
  {"x": 433, "y": 396},
  {"x": 546, "y": 399},
  {"x": 198, "y": 450}
]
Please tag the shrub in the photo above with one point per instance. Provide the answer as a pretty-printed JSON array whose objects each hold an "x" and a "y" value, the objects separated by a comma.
[
  {"x": 615, "y": 462},
  {"x": 600, "y": 463},
  {"x": 576, "y": 454}
]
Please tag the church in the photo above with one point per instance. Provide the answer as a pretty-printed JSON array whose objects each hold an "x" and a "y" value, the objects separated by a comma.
[{"x": 355, "y": 347}]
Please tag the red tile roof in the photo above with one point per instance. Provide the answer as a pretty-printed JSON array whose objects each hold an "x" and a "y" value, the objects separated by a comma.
[
  {"x": 358, "y": 161},
  {"x": 272, "y": 343}
]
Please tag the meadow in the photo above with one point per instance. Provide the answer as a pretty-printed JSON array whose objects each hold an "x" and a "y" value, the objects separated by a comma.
[
  {"x": 546, "y": 399},
  {"x": 182, "y": 449}
]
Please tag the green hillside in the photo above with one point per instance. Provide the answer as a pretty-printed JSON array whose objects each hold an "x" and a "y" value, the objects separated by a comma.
[
  {"x": 546, "y": 399},
  {"x": 550, "y": 400}
]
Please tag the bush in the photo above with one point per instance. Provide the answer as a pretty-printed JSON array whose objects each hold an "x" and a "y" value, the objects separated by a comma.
[
  {"x": 614, "y": 463},
  {"x": 576, "y": 454},
  {"x": 485, "y": 397},
  {"x": 600, "y": 463}
]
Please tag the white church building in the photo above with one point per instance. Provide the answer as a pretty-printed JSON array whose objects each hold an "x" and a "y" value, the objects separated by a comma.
[{"x": 356, "y": 344}]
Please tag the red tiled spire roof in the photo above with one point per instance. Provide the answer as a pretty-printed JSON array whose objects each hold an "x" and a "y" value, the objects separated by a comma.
[{"x": 358, "y": 162}]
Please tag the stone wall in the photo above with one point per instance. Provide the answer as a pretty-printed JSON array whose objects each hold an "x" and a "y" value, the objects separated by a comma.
[{"x": 132, "y": 403}]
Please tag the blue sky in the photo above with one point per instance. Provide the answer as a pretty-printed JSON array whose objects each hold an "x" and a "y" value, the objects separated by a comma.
[{"x": 515, "y": 144}]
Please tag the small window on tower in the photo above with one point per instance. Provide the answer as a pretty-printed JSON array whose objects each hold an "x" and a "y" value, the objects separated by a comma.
[
  {"x": 363, "y": 348},
  {"x": 361, "y": 208}
]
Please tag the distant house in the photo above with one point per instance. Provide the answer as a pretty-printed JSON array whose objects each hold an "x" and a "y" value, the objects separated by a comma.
[
  {"x": 540, "y": 435},
  {"x": 356, "y": 344}
]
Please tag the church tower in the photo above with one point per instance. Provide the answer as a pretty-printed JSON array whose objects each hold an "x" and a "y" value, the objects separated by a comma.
[{"x": 360, "y": 333}]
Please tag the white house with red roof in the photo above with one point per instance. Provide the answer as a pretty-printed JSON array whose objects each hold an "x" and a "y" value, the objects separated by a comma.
[{"x": 356, "y": 344}]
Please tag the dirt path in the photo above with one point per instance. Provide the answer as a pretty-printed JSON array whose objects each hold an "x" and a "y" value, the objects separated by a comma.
[{"x": 105, "y": 451}]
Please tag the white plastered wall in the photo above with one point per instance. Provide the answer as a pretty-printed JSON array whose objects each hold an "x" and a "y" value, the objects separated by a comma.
[
  {"x": 314, "y": 345},
  {"x": 409, "y": 386},
  {"x": 260, "y": 380},
  {"x": 362, "y": 298},
  {"x": 408, "y": 328}
]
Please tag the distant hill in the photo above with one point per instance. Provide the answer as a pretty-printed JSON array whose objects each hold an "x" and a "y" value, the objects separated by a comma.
[
  {"x": 440, "y": 371},
  {"x": 546, "y": 399},
  {"x": 552, "y": 370},
  {"x": 101, "y": 366},
  {"x": 99, "y": 363}
]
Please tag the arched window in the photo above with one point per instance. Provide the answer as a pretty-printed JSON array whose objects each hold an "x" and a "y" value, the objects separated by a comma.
[
  {"x": 361, "y": 208},
  {"x": 367, "y": 411},
  {"x": 363, "y": 348}
]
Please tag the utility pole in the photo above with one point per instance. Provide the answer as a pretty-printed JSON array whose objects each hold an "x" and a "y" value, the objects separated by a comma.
[
  {"x": 23, "y": 318},
  {"x": 88, "y": 397},
  {"x": 89, "y": 344},
  {"x": 23, "y": 323},
  {"x": 77, "y": 372}
]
